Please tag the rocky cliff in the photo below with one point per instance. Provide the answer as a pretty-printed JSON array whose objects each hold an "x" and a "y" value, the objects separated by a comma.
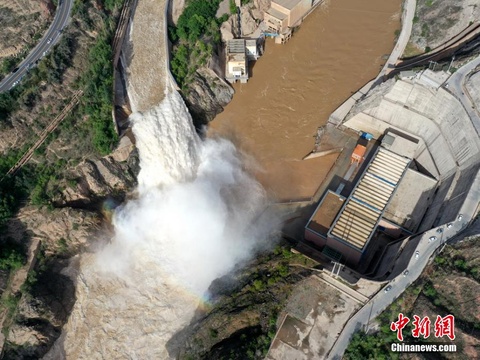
[
  {"x": 207, "y": 96},
  {"x": 112, "y": 175},
  {"x": 47, "y": 296}
]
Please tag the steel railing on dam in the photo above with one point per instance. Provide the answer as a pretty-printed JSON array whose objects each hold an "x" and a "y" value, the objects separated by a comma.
[
  {"x": 171, "y": 80},
  {"x": 122, "y": 25}
]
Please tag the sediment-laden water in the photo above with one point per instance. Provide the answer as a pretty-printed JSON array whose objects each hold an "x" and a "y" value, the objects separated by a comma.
[{"x": 294, "y": 87}]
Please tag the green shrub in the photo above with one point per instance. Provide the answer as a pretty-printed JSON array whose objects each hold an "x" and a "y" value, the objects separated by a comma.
[
  {"x": 97, "y": 101},
  {"x": 233, "y": 7},
  {"x": 11, "y": 257},
  {"x": 213, "y": 333},
  {"x": 258, "y": 285},
  {"x": 197, "y": 28}
]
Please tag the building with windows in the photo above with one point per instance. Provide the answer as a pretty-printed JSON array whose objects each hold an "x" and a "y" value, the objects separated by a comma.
[
  {"x": 238, "y": 53},
  {"x": 283, "y": 15}
]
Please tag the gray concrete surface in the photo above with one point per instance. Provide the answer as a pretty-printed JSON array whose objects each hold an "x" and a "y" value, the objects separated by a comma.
[
  {"x": 449, "y": 148},
  {"x": 402, "y": 41},
  {"x": 426, "y": 249},
  {"x": 472, "y": 86},
  {"x": 50, "y": 38},
  {"x": 456, "y": 85}
]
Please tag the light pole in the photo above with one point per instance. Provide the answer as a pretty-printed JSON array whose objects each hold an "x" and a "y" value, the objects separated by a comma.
[
  {"x": 369, "y": 315},
  {"x": 451, "y": 62},
  {"x": 443, "y": 244}
]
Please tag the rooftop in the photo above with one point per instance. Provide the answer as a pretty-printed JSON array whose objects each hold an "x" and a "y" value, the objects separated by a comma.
[
  {"x": 288, "y": 4},
  {"x": 401, "y": 144},
  {"x": 277, "y": 14},
  {"x": 326, "y": 212},
  {"x": 236, "y": 46},
  {"x": 411, "y": 200},
  {"x": 236, "y": 57},
  {"x": 363, "y": 209}
]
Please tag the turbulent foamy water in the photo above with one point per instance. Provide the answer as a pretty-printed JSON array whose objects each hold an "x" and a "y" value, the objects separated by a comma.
[
  {"x": 197, "y": 215},
  {"x": 168, "y": 144}
]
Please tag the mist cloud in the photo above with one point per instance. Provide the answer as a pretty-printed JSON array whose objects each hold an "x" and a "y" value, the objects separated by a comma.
[{"x": 195, "y": 217}]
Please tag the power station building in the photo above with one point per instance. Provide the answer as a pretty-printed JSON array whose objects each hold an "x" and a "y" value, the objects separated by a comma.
[
  {"x": 283, "y": 15},
  {"x": 238, "y": 53},
  {"x": 372, "y": 214}
]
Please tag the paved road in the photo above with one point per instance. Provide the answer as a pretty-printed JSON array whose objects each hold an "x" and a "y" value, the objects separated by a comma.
[
  {"x": 46, "y": 43},
  {"x": 456, "y": 85},
  {"x": 425, "y": 249}
]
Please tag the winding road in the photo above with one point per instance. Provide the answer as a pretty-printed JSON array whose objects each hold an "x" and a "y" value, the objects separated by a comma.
[
  {"x": 456, "y": 85},
  {"x": 50, "y": 38},
  {"x": 426, "y": 249}
]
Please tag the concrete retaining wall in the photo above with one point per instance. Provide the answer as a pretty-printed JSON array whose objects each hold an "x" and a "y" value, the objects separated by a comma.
[{"x": 449, "y": 145}]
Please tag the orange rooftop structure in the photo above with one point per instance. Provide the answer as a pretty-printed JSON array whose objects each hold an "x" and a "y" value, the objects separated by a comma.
[{"x": 358, "y": 154}]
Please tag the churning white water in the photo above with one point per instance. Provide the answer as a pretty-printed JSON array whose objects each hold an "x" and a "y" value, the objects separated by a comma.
[
  {"x": 197, "y": 215},
  {"x": 167, "y": 142}
]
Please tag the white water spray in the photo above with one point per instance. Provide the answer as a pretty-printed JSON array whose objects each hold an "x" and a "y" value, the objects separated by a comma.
[{"x": 197, "y": 215}]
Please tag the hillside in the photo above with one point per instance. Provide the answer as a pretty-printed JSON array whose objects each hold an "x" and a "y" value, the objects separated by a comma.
[
  {"x": 22, "y": 23},
  {"x": 450, "y": 285},
  {"x": 51, "y": 209},
  {"x": 436, "y": 21}
]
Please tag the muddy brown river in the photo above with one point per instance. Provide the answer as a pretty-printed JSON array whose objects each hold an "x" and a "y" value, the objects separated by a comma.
[{"x": 294, "y": 87}]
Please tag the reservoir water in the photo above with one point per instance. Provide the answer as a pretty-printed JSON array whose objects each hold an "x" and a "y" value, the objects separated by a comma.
[{"x": 294, "y": 87}]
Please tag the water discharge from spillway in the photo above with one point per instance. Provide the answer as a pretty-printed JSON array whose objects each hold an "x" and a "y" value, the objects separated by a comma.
[{"x": 197, "y": 215}]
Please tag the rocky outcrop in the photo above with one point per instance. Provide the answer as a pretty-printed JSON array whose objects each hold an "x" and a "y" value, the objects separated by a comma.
[
  {"x": 175, "y": 10},
  {"x": 115, "y": 174},
  {"x": 42, "y": 311},
  {"x": 226, "y": 30},
  {"x": 207, "y": 96},
  {"x": 250, "y": 19},
  {"x": 48, "y": 295},
  {"x": 243, "y": 308},
  {"x": 262, "y": 5},
  {"x": 60, "y": 230}
]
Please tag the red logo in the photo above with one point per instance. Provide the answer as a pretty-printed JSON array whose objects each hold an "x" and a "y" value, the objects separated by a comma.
[
  {"x": 399, "y": 325},
  {"x": 421, "y": 327},
  {"x": 444, "y": 326}
]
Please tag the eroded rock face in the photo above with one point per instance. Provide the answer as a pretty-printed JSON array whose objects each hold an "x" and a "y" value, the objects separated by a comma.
[
  {"x": 41, "y": 313},
  {"x": 46, "y": 302},
  {"x": 262, "y": 5},
  {"x": 74, "y": 226},
  {"x": 249, "y": 24},
  {"x": 105, "y": 176},
  {"x": 111, "y": 175},
  {"x": 176, "y": 9},
  {"x": 207, "y": 96}
]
